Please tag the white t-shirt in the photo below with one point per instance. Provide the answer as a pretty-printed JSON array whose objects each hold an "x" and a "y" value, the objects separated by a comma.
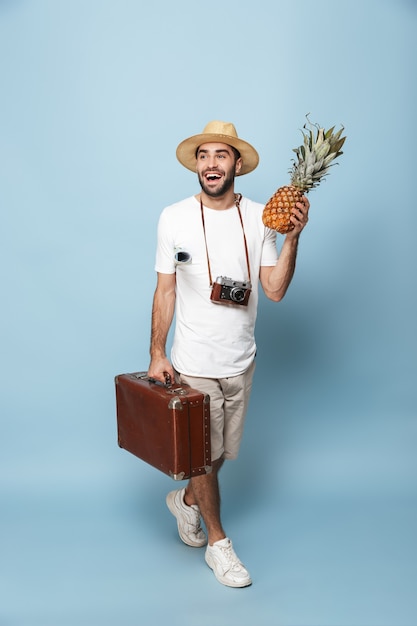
[{"x": 213, "y": 340}]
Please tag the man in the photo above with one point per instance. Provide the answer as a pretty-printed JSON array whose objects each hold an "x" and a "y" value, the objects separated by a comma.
[{"x": 215, "y": 234}]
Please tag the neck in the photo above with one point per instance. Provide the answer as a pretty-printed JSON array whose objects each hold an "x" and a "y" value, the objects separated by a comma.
[{"x": 219, "y": 204}]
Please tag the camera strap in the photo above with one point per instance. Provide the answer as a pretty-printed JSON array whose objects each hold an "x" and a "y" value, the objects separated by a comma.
[{"x": 238, "y": 198}]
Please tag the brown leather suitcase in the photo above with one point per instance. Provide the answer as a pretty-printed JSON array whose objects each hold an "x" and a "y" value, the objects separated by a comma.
[{"x": 168, "y": 426}]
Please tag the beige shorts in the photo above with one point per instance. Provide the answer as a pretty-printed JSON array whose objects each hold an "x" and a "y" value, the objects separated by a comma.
[{"x": 229, "y": 399}]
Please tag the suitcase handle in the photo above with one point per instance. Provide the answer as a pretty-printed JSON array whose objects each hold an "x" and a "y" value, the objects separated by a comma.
[{"x": 167, "y": 382}]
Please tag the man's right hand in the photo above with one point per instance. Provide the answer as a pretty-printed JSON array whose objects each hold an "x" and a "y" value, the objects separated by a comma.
[{"x": 159, "y": 368}]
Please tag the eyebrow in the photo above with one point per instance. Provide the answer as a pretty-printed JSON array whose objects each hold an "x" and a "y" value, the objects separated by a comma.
[{"x": 216, "y": 151}]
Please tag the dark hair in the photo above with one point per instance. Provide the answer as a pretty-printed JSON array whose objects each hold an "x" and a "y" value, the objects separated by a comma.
[{"x": 236, "y": 153}]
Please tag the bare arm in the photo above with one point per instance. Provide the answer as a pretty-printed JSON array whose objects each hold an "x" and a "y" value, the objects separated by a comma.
[
  {"x": 276, "y": 280},
  {"x": 162, "y": 315}
]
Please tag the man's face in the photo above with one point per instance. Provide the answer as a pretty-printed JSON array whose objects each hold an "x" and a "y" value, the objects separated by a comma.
[{"x": 216, "y": 168}]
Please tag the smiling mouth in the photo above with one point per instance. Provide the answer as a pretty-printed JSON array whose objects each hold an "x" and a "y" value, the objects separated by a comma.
[{"x": 212, "y": 176}]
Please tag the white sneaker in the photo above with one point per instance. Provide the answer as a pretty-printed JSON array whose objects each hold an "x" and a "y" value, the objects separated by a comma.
[
  {"x": 225, "y": 564},
  {"x": 188, "y": 519}
]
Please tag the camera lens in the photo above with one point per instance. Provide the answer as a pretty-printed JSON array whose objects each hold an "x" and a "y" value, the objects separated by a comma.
[{"x": 237, "y": 294}]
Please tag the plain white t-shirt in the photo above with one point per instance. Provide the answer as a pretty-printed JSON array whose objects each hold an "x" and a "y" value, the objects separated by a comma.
[{"x": 213, "y": 340}]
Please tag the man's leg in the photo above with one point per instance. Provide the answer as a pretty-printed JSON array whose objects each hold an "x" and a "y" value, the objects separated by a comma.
[
  {"x": 229, "y": 399},
  {"x": 204, "y": 491},
  {"x": 202, "y": 494},
  {"x": 200, "y": 498}
]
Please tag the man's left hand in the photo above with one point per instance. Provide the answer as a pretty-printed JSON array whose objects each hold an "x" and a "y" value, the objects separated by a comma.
[{"x": 299, "y": 217}]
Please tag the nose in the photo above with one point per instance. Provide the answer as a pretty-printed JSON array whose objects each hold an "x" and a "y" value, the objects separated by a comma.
[{"x": 211, "y": 161}]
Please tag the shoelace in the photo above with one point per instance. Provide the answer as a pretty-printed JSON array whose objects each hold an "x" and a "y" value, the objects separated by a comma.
[
  {"x": 197, "y": 524},
  {"x": 230, "y": 556}
]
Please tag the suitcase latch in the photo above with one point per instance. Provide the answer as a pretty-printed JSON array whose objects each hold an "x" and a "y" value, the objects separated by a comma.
[{"x": 180, "y": 391}]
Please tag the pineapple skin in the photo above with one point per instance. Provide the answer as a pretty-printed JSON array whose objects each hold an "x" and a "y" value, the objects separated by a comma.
[{"x": 277, "y": 211}]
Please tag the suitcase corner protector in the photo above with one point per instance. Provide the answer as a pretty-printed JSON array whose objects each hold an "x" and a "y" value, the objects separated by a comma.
[
  {"x": 179, "y": 476},
  {"x": 175, "y": 404}
]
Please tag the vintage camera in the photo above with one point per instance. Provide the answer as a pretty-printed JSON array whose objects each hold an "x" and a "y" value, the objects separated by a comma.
[{"x": 228, "y": 291}]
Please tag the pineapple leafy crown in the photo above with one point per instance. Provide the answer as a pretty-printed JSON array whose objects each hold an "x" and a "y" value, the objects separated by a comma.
[{"x": 315, "y": 156}]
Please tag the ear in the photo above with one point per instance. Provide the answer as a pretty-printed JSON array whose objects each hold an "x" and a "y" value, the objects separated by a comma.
[{"x": 238, "y": 165}]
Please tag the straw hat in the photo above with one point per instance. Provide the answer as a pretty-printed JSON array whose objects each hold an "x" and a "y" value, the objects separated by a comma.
[{"x": 218, "y": 132}]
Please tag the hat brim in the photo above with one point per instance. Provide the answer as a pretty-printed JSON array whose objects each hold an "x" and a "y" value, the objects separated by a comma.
[{"x": 186, "y": 151}]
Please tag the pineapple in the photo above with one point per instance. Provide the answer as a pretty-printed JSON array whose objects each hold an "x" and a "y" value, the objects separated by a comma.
[{"x": 314, "y": 159}]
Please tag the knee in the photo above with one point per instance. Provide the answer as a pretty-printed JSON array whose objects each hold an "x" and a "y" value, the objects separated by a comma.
[{"x": 216, "y": 465}]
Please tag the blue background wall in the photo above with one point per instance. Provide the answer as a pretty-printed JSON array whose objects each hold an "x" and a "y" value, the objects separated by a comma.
[{"x": 321, "y": 505}]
